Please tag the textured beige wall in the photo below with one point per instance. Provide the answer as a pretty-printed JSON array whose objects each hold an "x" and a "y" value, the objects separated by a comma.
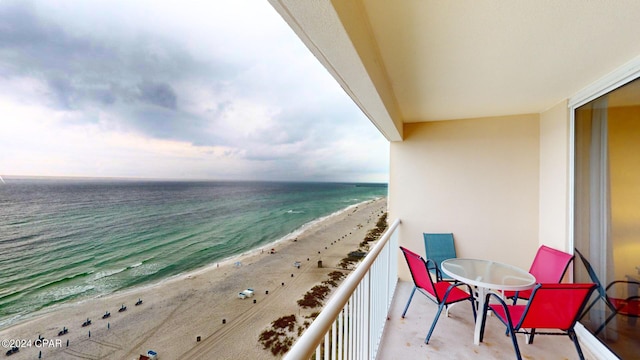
[
  {"x": 554, "y": 177},
  {"x": 477, "y": 178}
]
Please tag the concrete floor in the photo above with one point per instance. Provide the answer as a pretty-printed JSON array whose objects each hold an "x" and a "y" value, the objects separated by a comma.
[{"x": 452, "y": 338}]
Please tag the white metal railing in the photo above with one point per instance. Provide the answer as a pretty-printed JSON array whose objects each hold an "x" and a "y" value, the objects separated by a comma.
[{"x": 351, "y": 323}]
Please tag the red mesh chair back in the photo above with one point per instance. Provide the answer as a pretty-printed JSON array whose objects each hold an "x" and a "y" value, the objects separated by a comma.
[
  {"x": 627, "y": 307},
  {"x": 549, "y": 266},
  {"x": 419, "y": 273},
  {"x": 555, "y": 306}
]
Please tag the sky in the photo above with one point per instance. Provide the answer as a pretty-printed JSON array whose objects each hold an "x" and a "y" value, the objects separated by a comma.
[{"x": 220, "y": 90}]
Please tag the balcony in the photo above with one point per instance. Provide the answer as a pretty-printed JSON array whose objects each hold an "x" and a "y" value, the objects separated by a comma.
[
  {"x": 355, "y": 323},
  {"x": 453, "y": 336}
]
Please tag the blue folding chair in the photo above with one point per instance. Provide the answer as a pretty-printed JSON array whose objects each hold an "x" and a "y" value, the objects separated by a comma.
[{"x": 439, "y": 247}]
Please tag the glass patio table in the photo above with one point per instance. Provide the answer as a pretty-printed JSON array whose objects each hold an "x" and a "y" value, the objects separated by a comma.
[{"x": 487, "y": 275}]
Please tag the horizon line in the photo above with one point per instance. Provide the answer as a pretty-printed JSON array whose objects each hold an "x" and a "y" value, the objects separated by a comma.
[{"x": 133, "y": 178}]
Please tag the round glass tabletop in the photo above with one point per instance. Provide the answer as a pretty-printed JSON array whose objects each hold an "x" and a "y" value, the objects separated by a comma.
[{"x": 488, "y": 274}]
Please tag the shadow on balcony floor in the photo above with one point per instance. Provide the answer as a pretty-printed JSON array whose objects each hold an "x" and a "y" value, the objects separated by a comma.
[{"x": 453, "y": 336}]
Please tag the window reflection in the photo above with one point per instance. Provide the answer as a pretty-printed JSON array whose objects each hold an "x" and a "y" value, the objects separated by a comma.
[{"x": 607, "y": 212}]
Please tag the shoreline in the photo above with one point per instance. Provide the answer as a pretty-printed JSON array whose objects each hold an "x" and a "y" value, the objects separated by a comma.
[
  {"x": 196, "y": 302},
  {"x": 230, "y": 260}
]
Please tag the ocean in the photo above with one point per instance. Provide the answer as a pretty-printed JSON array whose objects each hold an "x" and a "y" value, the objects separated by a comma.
[{"x": 64, "y": 240}]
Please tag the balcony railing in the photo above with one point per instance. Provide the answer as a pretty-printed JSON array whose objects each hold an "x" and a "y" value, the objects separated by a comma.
[{"x": 350, "y": 325}]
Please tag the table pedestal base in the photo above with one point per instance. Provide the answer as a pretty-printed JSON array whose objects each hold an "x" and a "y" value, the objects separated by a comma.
[{"x": 482, "y": 294}]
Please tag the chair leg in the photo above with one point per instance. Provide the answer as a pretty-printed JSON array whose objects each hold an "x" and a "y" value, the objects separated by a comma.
[
  {"x": 588, "y": 308},
  {"x": 409, "y": 302},
  {"x": 473, "y": 308},
  {"x": 484, "y": 320},
  {"x": 530, "y": 336},
  {"x": 574, "y": 338},
  {"x": 435, "y": 321},
  {"x": 506, "y": 321},
  {"x": 614, "y": 312},
  {"x": 515, "y": 342}
]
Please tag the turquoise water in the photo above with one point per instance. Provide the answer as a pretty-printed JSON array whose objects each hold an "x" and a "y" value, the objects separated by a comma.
[{"x": 64, "y": 240}]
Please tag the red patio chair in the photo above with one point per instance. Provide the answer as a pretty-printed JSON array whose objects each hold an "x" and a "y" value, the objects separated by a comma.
[
  {"x": 442, "y": 293},
  {"x": 551, "y": 306},
  {"x": 549, "y": 266},
  {"x": 629, "y": 306}
]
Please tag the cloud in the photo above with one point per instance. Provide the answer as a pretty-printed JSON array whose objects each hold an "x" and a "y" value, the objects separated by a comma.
[
  {"x": 160, "y": 94},
  {"x": 82, "y": 70},
  {"x": 225, "y": 76}
]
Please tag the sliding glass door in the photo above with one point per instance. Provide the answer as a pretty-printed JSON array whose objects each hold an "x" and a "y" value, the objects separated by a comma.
[{"x": 607, "y": 212}]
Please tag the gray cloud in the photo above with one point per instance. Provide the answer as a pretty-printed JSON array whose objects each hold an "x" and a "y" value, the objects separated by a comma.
[
  {"x": 160, "y": 94},
  {"x": 140, "y": 80},
  {"x": 122, "y": 76}
]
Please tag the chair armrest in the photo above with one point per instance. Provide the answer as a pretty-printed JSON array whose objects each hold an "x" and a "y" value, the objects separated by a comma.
[
  {"x": 628, "y": 282},
  {"x": 458, "y": 284},
  {"x": 503, "y": 304},
  {"x": 499, "y": 298},
  {"x": 431, "y": 266}
]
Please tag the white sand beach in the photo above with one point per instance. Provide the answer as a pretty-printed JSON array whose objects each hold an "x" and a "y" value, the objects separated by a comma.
[{"x": 175, "y": 312}]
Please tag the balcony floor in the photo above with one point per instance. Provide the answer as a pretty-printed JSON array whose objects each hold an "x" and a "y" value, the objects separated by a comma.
[{"x": 453, "y": 336}]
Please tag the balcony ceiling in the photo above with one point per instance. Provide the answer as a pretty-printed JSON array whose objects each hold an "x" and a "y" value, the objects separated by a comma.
[{"x": 406, "y": 61}]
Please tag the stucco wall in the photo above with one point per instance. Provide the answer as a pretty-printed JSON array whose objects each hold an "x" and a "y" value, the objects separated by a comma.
[
  {"x": 554, "y": 177},
  {"x": 477, "y": 178}
]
